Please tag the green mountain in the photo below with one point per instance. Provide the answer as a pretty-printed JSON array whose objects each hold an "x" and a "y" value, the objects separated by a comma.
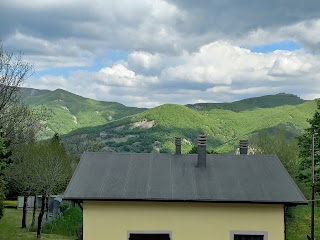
[
  {"x": 155, "y": 129},
  {"x": 268, "y": 101},
  {"x": 88, "y": 125},
  {"x": 26, "y": 92},
  {"x": 69, "y": 111}
]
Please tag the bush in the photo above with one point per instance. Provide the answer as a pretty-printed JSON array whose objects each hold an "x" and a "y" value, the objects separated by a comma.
[
  {"x": 63, "y": 208},
  {"x": 10, "y": 203},
  {"x": 69, "y": 224}
]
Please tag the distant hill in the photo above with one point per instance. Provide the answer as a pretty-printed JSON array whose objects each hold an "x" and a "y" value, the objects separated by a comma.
[
  {"x": 155, "y": 129},
  {"x": 69, "y": 111},
  {"x": 33, "y": 92},
  {"x": 90, "y": 125},
  {"x": 268, "y": 101}
]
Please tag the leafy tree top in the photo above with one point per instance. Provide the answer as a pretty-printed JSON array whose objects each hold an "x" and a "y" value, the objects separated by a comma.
[{"x": 305, "y": 150}]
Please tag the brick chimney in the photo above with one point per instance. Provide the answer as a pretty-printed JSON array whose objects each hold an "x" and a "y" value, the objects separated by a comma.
[
  {"x": 178, "y": 145},
  {"x": 202, "y": 151},
  {"x": 243, "y": 147}
]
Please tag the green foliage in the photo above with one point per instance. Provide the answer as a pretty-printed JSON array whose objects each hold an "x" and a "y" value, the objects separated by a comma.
[
  {"x": 69, "y": 111},
  {"x": 305, "y": 144},
  {"x": 91, "y": 125},
  {"x": 63, "y": 207},
  {"x": 1, "y": 196},
  {"x": 194, "y": 150},
  {"x": 269, "y": 101},
  {"x": 69, "y": 224},
  {"x": 223, "y": 128},
  {"x": 3, "y": 149},
  {"x": 42, "y": 168},
  {"x": 10, "y": 203},
  {"x": 279, "y": 144},
  {"x": 10, "y": 228},
  {"x": 298, "y": 222},
  {"x": 4, "y": 152}
]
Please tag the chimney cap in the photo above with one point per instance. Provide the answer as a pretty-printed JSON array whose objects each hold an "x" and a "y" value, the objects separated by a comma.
[
  {"x": 202, "y": 140},
  {"x": 243, "y": 143},
  {"x": 243, "y": 146},
  {"x": 202, "y": 153},
  {"x": 178, "y": 140}
]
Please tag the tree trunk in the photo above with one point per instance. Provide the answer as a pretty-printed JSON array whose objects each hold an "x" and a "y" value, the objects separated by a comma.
[
  {"x": 47, "y": 208},
  {"x": 43, "y": 201},
  {"x": 34, "y": 211},
  {"x": 24, "y": 212}
]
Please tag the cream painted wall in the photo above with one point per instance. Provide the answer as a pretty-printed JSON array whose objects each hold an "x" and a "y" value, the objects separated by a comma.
[{"x": 186, "y": 221}]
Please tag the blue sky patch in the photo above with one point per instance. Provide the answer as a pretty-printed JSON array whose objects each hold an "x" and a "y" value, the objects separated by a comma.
[
  {"x": 117, "y": 55},
  {"x": 283, "y": 45}
]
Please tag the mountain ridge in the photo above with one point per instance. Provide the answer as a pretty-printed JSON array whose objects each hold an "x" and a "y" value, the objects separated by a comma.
[{"x": 111, "y": 126}]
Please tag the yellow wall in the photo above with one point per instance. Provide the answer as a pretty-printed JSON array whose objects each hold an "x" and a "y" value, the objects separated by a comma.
[{"x": 186, "y": 221}]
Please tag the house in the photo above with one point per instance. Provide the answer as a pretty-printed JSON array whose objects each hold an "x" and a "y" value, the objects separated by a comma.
[{"x": 149, "y": 196}]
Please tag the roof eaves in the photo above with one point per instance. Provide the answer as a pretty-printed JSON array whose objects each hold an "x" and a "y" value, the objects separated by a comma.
[{"x": 294, "y": 203}]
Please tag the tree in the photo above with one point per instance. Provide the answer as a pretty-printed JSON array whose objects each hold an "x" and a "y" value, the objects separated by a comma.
[
  {"x": 2, "y": 153},
  {"x": 279, "y": 144},
  {"x": 305, "y": 147},
  {"x": 20, "y": 131},
  {"x": 40, "y": 168},
  {"x": 20, "y": 174},
  {"x": 52, "y": 171},
  {"x": 13, "y": 72},
  {"x": 80, "y": 143},
  {"x": 17, "y": 120}
]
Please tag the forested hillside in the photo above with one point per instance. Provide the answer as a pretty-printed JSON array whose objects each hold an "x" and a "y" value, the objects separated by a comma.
[
  {"x": 155, "y": 129},
  {"x": 90, "y": 125},
  {"x": 68, "y": 111}
]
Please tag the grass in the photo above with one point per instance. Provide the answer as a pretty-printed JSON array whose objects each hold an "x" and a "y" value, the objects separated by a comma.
[
  {"x": 298, "y": 223},
  {"x": 10, "y": 228}
]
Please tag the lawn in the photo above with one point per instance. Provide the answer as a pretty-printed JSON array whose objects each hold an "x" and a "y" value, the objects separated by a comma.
[
  {"x": 298, "y": 223},
  {"x": 10, "y": 227}
]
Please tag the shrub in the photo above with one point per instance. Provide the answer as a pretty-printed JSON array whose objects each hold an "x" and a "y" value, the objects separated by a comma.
[
  {"x": 63, "y": 207},
  {"x": 10, "y": 203},
  {"x": 69, "y": 224}
]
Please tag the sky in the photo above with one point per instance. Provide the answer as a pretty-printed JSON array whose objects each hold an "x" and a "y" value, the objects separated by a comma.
[{"x": 145, "y": 53}]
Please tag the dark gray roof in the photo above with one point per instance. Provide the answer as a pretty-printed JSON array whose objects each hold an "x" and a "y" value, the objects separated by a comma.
[{"x": 166, "y": 177}]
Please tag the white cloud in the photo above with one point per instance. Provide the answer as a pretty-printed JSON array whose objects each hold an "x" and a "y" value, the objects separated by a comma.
[
  {"x": 179, "y": 51},
  {"x": 46, "y": 54},
  {"x": 119, "y": 75},
  {"x": 217, "y": 72},
  {"x": 306, "y": 33},
  {"x": 145, "y": 60}
]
